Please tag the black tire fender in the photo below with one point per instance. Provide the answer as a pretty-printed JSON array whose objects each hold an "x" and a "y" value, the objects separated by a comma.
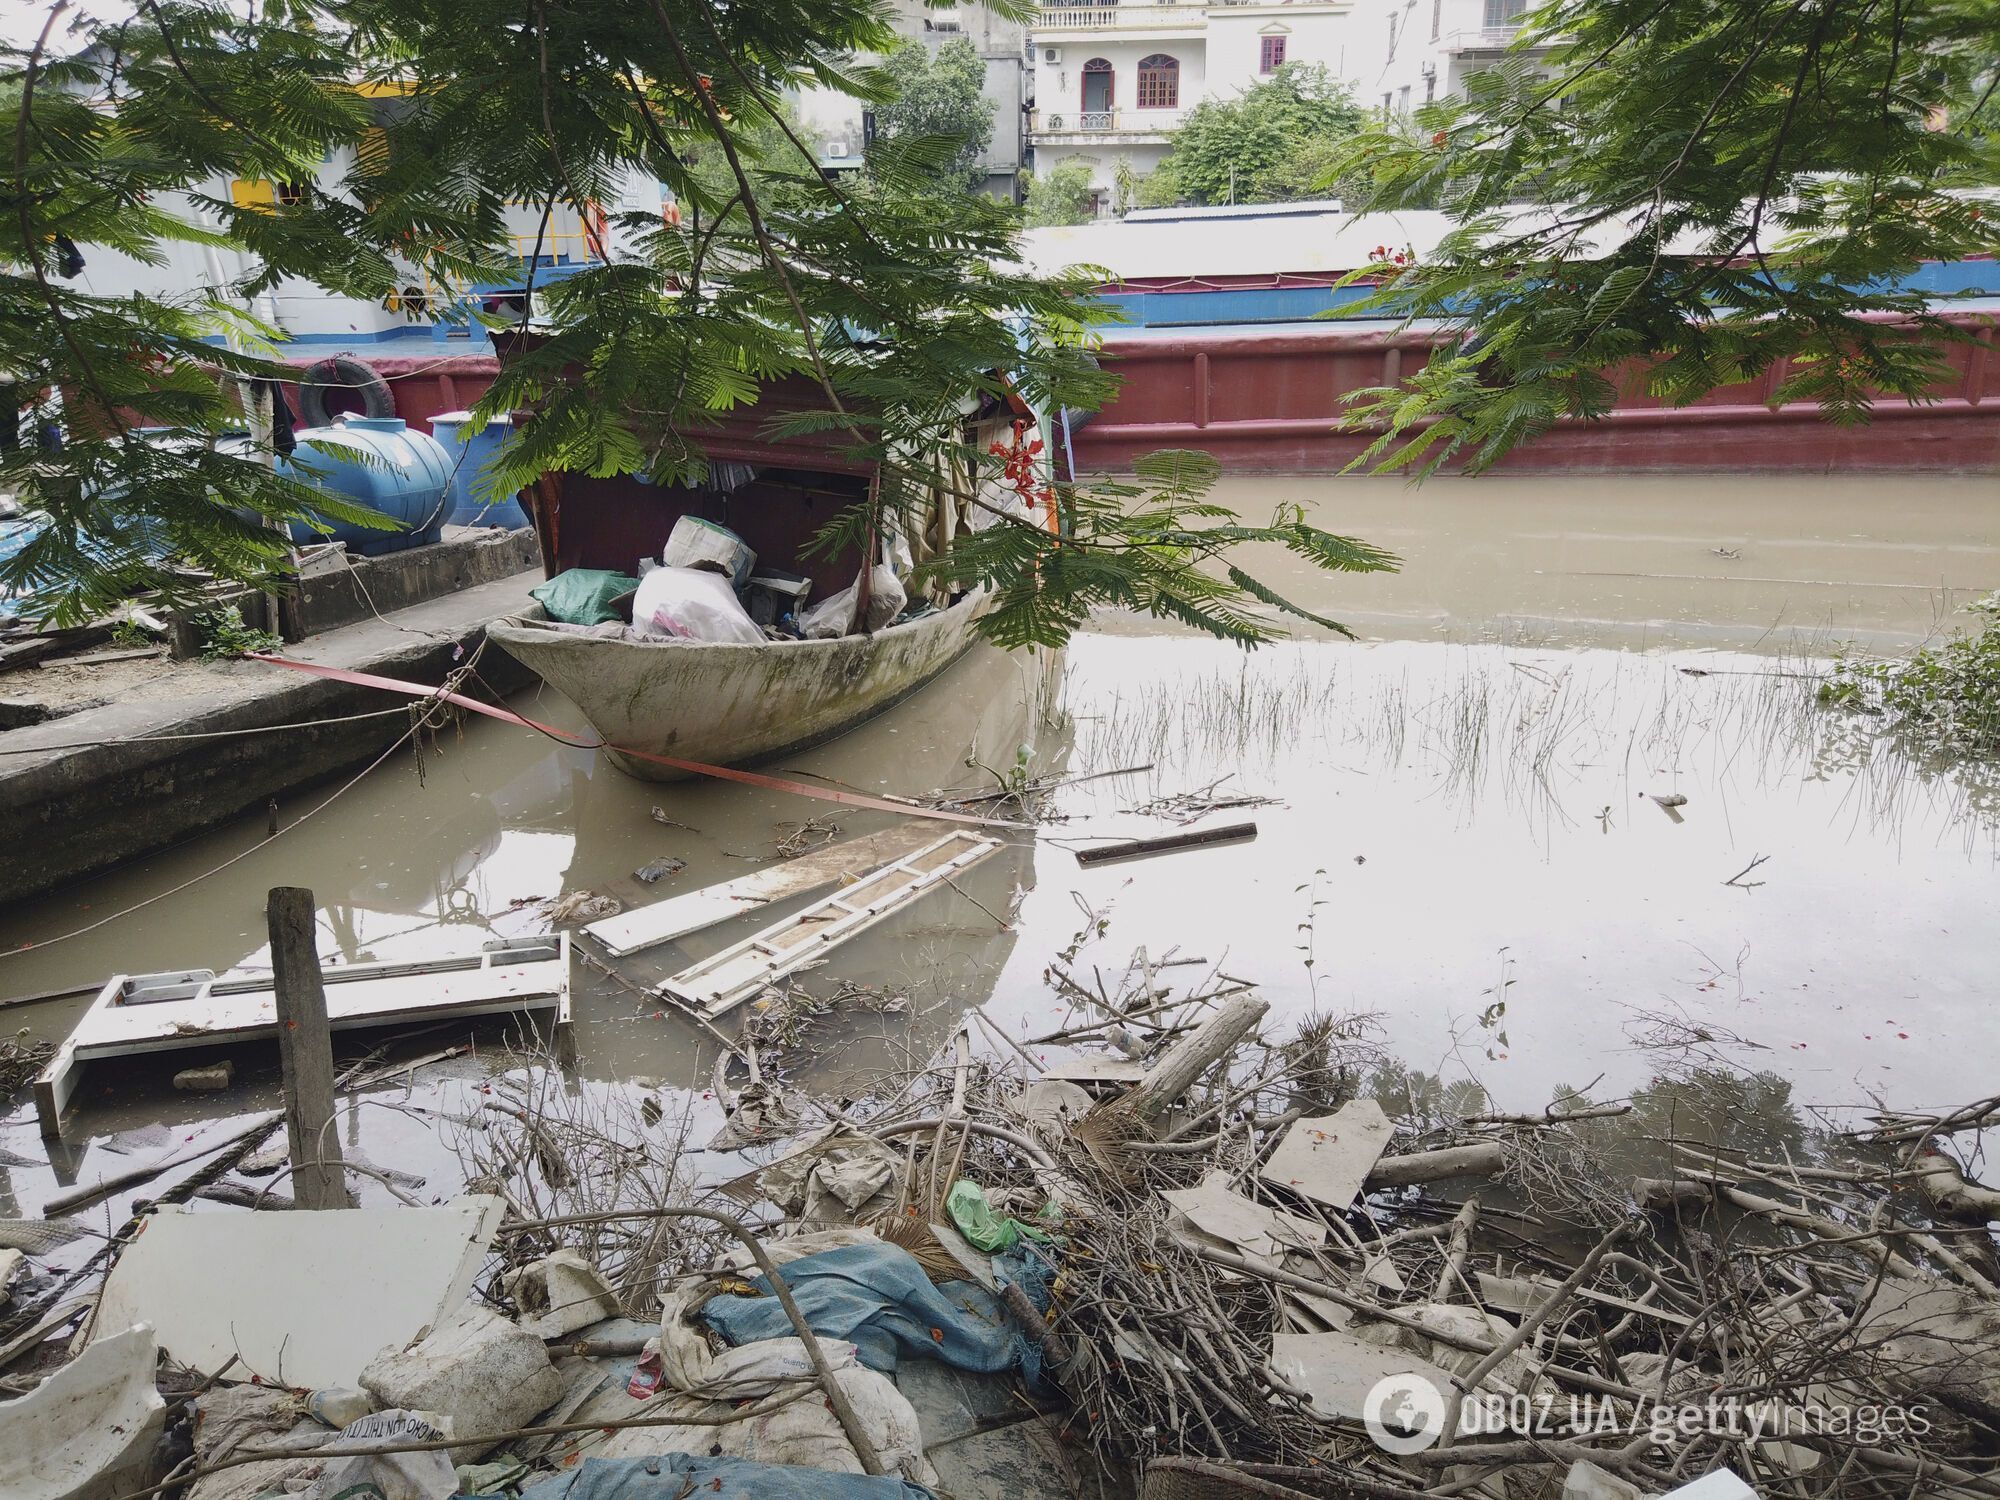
[{"x": 342, "y": 372}]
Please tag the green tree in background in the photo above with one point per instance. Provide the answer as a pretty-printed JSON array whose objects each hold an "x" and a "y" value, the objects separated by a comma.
[
  {"x": 1270, "y": 144},
  {"x": 393, "y": 135},
  {"x": 1714, "y": 187},
  {"x": 1061, "y": 195},
  {"x": 939, "y": 94},
  {"x": 1124, "y": 187}
]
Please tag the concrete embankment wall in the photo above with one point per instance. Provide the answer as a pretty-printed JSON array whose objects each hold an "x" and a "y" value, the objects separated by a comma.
[{"x": 195, "y": 748}]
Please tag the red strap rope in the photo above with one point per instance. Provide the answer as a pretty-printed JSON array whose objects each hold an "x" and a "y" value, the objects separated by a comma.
[{"x": 699, "y": 768}]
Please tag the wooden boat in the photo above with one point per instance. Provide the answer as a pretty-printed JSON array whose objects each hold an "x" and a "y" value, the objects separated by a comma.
[{"x": 724, "y": 704}]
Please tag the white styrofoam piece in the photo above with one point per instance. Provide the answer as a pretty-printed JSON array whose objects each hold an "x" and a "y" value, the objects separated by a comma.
[
  {"x": 1215, "y": 1209},
  {"x": 1328, "y": 1159},
  {"x": 87, "y": 1432},
  {"x": 301, "y": 1299}
]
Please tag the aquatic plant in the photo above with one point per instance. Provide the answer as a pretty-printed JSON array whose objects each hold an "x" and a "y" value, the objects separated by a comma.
[{"x": 1944, "y": 697}]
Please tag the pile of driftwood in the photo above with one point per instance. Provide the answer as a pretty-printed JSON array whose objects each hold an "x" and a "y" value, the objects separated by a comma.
[{"x": 1251, "y": 1267}]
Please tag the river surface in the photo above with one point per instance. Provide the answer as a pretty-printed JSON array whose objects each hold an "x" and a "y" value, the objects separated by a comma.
[{"x": 1464, "y": 837}]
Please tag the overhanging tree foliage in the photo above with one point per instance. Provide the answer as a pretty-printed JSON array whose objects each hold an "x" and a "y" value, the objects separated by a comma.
[
  {"x": 1711, "y": 187},
  {"x": 900, "y": 305}
]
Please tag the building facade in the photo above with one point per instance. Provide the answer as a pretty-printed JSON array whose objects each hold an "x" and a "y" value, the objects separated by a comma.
[
  {"x": 1002, "y": 43},
  {"x": 1113, "y": 81},
  {"x": 1405, "y": 53}
]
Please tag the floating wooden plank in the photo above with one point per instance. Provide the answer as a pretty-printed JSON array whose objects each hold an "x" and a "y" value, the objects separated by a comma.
[
  {"x": 721, "y": 983},
  {"x": 145, "y": 1013},
  {"x": 1096, "y": 1067},
  {"x": 1199, "y": 838},
  {"x": 662, "y": 921}
]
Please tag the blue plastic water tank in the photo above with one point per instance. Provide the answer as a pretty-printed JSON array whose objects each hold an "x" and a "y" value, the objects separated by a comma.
[
  {"x": 473, "y": 466},
  {"x": 405, "y": 477}
]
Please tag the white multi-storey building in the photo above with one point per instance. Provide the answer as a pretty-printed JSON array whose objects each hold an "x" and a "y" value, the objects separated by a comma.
[
  {"x": 1112, "y": 81},
  {"x": 1114, "y": 78},
  {"x": 1404, "y": 53}
]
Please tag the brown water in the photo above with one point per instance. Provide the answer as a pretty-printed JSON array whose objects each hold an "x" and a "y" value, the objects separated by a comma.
[{"x": 1464, "y": 817}]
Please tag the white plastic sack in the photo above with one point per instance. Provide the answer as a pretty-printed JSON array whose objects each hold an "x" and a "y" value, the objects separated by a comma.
[
  {"x": 229, "y": 1417},
  {"x": 689, "y": 1365},
  {"x": 803, "y": 1431},
  {"x": 389, "y": 1476},
  {"x": 835, "y": 616},
  {"x": 691, "y": 604}
]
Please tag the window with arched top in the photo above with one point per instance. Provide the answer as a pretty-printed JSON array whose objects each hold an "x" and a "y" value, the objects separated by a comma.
[
  {"x": 1098, "y": 93},
  {"x": 1159, "y": 82}
]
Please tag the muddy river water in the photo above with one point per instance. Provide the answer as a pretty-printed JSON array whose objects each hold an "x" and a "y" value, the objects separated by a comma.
[{"x": 1464, "y": 837}]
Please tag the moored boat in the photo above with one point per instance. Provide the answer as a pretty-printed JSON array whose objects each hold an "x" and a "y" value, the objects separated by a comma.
[
  {"x": 681, "y": 683},
  {"x": 723, "y": 703}
]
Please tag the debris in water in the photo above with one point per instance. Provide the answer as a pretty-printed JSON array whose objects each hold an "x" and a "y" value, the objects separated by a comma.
[
  {"x": 1186, "y": 807},
  {"x": 208, "y": 1080},
  {"x": 658, "y": 869},
  {"x": 1171, "y": 843},
  {"x": 810, "y": 834},
  {"x": 1739, "y": 882},
  {"x": 21, "y": 1060},
  {"x": 583, "y": 906}
]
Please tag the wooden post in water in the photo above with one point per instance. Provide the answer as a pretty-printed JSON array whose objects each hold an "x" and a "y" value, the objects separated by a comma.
[{"x": 305, "y": 1051}]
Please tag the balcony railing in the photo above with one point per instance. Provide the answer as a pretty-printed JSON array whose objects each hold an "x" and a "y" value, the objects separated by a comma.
[
  {"x": 1105, "y": 121},
  {"x": 1482, "y": 38},
  {"x": 1134, "y": 17}
]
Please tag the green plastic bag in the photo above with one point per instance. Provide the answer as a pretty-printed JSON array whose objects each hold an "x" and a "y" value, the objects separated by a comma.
[
  {"x": 982, "y": 1227},
  {"x": 974, "y": 1216},
  {"x": 582, "y": 596}
]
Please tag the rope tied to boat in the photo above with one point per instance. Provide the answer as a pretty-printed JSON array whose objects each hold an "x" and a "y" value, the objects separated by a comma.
[{"x": 695, "y": 767}]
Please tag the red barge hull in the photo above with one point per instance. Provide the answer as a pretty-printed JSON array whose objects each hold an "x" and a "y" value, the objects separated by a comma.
[{"x": 1266, "y": 402}]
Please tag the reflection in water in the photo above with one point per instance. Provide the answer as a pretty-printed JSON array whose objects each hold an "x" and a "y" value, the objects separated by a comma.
[
  {"x": 1473, "y": 818},
  {"x": 1454, "y": 819},
  {"x": 503, "y": 820},
  {"x": 1493, "y": 725}
]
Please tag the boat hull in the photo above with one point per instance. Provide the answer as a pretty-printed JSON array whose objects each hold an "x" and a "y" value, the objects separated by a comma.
[{"x": 730, "y": 704}]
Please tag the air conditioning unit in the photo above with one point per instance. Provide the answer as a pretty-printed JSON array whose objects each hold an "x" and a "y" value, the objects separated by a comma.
[{"x": 1051, "y": 54}]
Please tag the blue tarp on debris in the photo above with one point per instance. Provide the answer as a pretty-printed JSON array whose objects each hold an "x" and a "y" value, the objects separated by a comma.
[
  {"x": 674, "y": 1474},
  {"x": 878, "y": 1297}
]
